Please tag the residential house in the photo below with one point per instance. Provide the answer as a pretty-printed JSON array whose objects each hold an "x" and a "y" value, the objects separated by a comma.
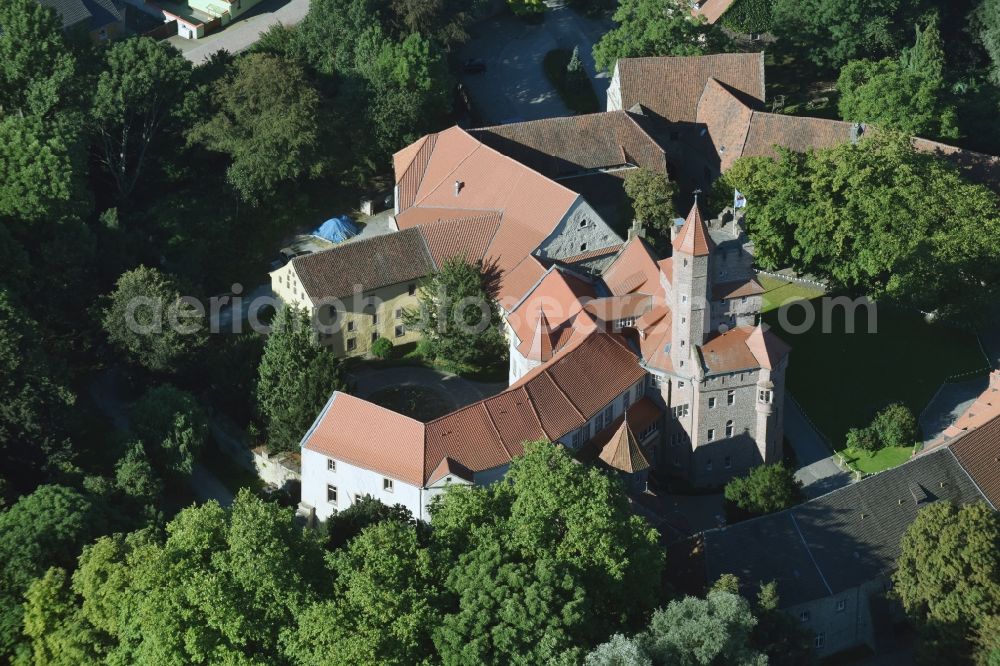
[
  {"x": 359, "y": 290},
  {"x": 832, "y": 557}
]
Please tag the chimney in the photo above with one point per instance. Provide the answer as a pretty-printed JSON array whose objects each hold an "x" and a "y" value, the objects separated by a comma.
[
  {"x": 458, "y": 187},
  {"x": 637, "y": 229}
]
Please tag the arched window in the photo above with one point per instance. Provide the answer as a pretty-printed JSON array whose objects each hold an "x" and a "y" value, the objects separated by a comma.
[{"x": 729, "y": 428}]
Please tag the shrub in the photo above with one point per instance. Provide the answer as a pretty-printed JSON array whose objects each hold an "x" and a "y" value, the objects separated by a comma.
[
  {"x": 896, "y": 425},
  {"x": 864, "y": 439},
  {"x": 382, "y": 348},
  {"x": 749, "y": 16}
]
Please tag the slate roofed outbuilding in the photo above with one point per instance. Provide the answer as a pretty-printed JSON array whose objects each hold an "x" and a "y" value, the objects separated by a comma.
[
  {"x": 670, "y": 87},
  {"x": 573, "y": 144},
  {"x": 371, "y": 263},
  {"x": 841, "y": 540}
]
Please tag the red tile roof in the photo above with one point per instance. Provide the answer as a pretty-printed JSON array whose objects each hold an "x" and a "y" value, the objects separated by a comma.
[
  {"x": 559, "y": 295},
  {"x": 592, "y": 254},
  {"x": 614, "y": 308},
  {"x": 410, "y": 165},
  {"x": 365, "y": 435},
  {"x": 767, "y": 347},
  {"x": 670, "y": 87},
  {"x": 572, "y": 144},
  {"x": 736, "y": 289},
  {"x": 729, "y": 352},
  {"x": 467, "y": 238},
  {"x": 693, "y": 238},
  {"x": 515, "y": 283},
  {"x": 985, "y": 408},
  {"x": 634, "y": 270},
  {"x": 727, "y": 119},
  {"x": 978, "y": 452}
]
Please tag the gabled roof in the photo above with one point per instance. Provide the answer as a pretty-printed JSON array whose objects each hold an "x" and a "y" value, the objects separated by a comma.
[
  {"x": 633, "y": 270},
  {"x": 841, "y": 540},
  {"x": 574, "y": 144},
  {"x": 670, "y": 87},
  {"x": 736, "y": 288},
  {"x": 461, "y": 172},
  {"x": 558, "y": 296},
  {"x": 693, "y": 238},
  {"x": 363, "y": 434},
  {"x": 978, "y": 452},
  {"x": 467, "y": 237},
  {"x": 727, "y": 119},
  {"x": 729, "y": 352},
  {"x": 370, "y": 263},
  {"x": 410, "y": 164},
  {"x": 766, "y": 347}
]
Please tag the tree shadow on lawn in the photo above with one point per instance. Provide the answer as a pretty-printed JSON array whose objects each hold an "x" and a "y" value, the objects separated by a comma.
[{"x": 842, "y": 378}]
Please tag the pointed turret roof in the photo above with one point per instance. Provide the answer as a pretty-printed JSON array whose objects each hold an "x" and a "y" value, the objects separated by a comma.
[
  {"x": 623, "y": 453},
  {"x": 541, "y": 340},
  {"x": 766, "y": 347},
  {"x": 693, "y": 238}
]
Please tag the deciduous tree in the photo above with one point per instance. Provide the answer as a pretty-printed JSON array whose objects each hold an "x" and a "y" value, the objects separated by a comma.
[
  {"x": 172, "y": 427},
  {"x": 268, "y": 121},
  {"x": 948, "y": 573},
  {"x": 654, "y": 28},
  {"x": 652, "y": 195},
  {"x": 141, "y": 86},
  {"x": 147, "y": 318},
  {"x": 766, "y": 489}
]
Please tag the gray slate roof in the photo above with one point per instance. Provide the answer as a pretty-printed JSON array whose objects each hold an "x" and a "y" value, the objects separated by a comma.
[
  {"x": 840, "y": 540},
  {"x": 98, "y": 12}
]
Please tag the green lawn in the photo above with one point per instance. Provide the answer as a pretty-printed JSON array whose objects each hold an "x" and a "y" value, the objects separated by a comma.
[
  {"x": 886, "y": 458},
  {"x": 580, "y": 98},
  {"x": 841, "y": 379},
  {"x": 778, "y": 292}
]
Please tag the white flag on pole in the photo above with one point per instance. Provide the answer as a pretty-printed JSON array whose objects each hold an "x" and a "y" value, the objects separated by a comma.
[{"x": 739, "y": 201}]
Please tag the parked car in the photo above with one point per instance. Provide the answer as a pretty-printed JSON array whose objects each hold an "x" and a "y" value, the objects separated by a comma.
[{"x": 474, "y": 66}]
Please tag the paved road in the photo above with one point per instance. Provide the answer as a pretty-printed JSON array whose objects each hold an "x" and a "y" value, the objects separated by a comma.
[
  {"x": 514, "y": 86},
  {"x": 460, "y": 391},
  {"x": 818, "y": 470},
  {"x": 244, "y": 31},
  {"x": 948, "y": 404}
]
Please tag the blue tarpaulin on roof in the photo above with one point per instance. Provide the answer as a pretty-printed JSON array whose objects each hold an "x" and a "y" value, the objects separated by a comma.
[{"x": 337, "y": 229}]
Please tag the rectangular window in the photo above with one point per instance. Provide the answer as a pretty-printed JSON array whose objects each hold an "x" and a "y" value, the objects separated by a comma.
[
  {"x": 711, "y": 434},
  {"x": 609, "y": 414},
  {"x": 387, "y": 485},
  {"x": 352, "y": 344},
  {"x": 626, "y": 400},
  {"x": 331, "y": 494},
  {"x": 730, "y": 397},
  {"x": 804, "y": 616},
  {"x": 411, "y": 289},
  {"x": 374, "y": 336},
  {"x": 728, "y": 462},
  {"x": 331, "y": 465},
  {"x": 599, "y": 422},
  {"x": 711, "y": 403},
  {"x": 841, "y": 605},
  {"x": 820, "y": 640},
  {"x": 680, "y": 384},
  {"x": 708, "y": 465},
  {"x": 374, "y": 319},
  {"x": 350, "y": 326},
  {"x": 765, "y": 396},
  {"x": 640, "y": 390},
  {"x": 577, "y": 439},
  {"x": 399, "y": 313},
  {"x": 400, "y": 331}
]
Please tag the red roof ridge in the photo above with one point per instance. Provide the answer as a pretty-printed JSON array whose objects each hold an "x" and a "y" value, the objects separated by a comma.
[
  {"x": 493, "y": 425},
  {"x": 694, "y": 238}
]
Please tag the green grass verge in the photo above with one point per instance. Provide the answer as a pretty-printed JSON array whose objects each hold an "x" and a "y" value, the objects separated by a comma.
[
  {"x": 881, "y": 460},
  {"x": 578, "y": 99},
  {"x": 841, "y": 379},
  {"x": 778, "y": 292}
]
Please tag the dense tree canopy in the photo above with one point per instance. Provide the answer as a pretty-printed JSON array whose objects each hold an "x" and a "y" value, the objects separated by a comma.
[
  {"x": 172, "y": 428},
  {"x": 878, "y": 218},
  {"x": 652, "y": 195},
  {"x": 268, "y": 121},
  {"x": 948, "y": 574},
  {"x": 908, "y": 94},
  {"x": 147, "y": 318},
  {"x": 36, "y": 67},
  {"x": 766, "y": 489},
  {"x": 655, "y": 28},
  {"x": 295, "y": 379},
  {"x": 457, "y": 316}
]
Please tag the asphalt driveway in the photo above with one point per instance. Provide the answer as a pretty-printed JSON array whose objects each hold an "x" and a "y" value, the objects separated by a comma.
[
  {"x": 244, "y": 31},
  {"x": 818, "y": 469},
  {"x": 514, "y": 87}
]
